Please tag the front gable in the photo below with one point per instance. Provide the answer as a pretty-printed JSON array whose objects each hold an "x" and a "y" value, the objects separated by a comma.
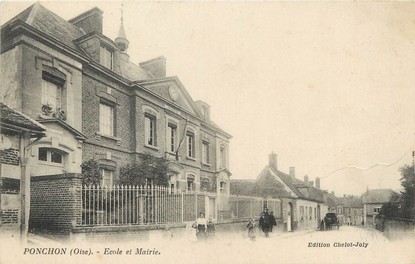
[
  {"x": 173, "y": 91},
  {"x": 269, "y": 182}
]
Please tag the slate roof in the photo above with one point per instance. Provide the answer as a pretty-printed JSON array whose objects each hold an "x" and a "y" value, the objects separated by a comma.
[
  {"x": 355, "y": 202},
  {"x": 15, "y": 118},
  {"x": 331, "y": 200},
  {"x": 68, "y": 34},
  {"x": 51, "y": 24},
  {"x": 377, "y": 196}
]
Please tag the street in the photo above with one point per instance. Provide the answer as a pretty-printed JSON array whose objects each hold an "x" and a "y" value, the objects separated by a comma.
[{"x": 347, "y": 245}]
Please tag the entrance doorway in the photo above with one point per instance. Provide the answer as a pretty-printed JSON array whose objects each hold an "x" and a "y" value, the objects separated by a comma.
[{"x": 290, "y": 217}]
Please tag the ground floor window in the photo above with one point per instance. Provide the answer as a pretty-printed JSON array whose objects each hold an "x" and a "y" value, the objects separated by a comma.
[
  {"x": 50, "y": 155},
  {"x": 107, "y": 177}
]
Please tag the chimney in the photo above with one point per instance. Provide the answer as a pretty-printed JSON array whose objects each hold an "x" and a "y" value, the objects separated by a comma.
[
  {"x": 306, "y": 179},
  {"x": 332, "y": 193},
  {"x": 273, "y": 160},
  {"x": 89, "y": 21},
  {"x": 318, "y": 183},
  {"x": 156, "y": 66},
  {"x": 311, "y": 183},
  {"x": 292, "y": 172}
]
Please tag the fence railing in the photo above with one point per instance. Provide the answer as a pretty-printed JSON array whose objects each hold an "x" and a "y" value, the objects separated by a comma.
[{"x": 141, "y": 205}]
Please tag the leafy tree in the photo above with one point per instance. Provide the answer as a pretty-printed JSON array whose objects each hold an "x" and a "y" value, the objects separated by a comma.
[
  {"x": 408, "y": 193},
  {"x": 91, "y": 174},
  {"x": 392, "y": 208},
  {"x": 150, "y": 168}
]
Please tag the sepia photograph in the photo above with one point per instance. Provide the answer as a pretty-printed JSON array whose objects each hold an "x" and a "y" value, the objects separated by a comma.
[{"x": 248, "y": 132}]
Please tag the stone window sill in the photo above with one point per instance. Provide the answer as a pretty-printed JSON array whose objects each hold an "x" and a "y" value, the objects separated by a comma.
[
  {"x": 98, "y": 136},
  {"x": 151, "y": 147},
  {"x": 190, "y": 158}
]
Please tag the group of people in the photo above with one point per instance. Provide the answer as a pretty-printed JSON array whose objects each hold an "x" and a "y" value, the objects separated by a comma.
[
  {"x": 266, "y": 223},
  {"x": 202, "y": 229}
]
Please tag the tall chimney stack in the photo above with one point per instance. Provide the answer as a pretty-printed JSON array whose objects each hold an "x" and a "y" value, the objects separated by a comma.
[
  {"x": 311, "y": 183},
  {"x": 318, "y": 183},
  {"x": 273, "y": 160},
  {"x": 292, "y": 172},
  {"x": 306, "y": 179}
]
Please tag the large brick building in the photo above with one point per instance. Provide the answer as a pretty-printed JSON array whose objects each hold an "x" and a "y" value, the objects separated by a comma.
[{"x": 96, "y": 104}]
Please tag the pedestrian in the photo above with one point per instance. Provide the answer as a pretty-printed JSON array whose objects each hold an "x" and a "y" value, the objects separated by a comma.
[
  {"x": 273, "y": 222},
  {"x": 201, "y": 227},
  {"x": 251, "y": 229},
  {"x": 264, "y": 222},
  {"x": 191, "y": 229},
  {"x": 168, "y": 235},
  {"x": 211, "y": 230}
]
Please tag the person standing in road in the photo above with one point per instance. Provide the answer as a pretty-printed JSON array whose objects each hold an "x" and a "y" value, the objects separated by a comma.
[
  {"x": 251, "y": 229},
  {"x": 273, "y": 222},
  {"x": 264, "y": 222},
  {"x": 211, "y": 229},
  {"x": 201, "y": 227}
]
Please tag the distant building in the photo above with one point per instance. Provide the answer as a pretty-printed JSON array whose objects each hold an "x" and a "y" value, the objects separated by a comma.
[
  {"x": 372, "y": 202},
  {"x": 302, "y": 204},
  {"x": 353, "y": 210}
]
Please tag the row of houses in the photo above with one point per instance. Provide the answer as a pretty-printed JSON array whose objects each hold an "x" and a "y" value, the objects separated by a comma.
[
  {"x": 89, "y": 101},
  {"x": 304, "y": 204}
]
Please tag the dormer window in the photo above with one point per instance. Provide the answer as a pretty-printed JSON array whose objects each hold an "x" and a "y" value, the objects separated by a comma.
[{"x": 106, "y": 57}]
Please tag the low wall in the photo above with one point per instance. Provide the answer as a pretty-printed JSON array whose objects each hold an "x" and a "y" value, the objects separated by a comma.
[
  {"x": 99, "y": 234},
  {"x": 397, "y": 228},
  {"x": 55, "y": 202}
]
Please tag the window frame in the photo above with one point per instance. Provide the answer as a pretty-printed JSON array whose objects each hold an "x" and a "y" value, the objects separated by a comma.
[
  {"x": 172, "y": 137},
  {"x": 112, "y": 115},
  {"x": 49, "y": 155},
  {"x": 205, "y": 153},
  {"x": 111, "y": 178},
  {"x": 190, "y": 145},
  {"x": 150, "y": 130},
  {"x": 47, "y": 84},
  {"x": 103, "y": 51}
]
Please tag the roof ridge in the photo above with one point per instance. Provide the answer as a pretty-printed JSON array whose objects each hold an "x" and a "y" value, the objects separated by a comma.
[{"x": 32, "y": 13}]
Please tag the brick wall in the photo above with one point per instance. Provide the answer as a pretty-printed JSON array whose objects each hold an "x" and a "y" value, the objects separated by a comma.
[
  {"x": 9, "y": 156},
  {"x": 9, "y": 216},
  {"x": 55, "y": 202},
  {"x": 122, "y": 144}
]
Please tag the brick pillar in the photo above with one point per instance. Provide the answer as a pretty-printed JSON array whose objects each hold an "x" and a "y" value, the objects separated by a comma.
[{"x": 56, "y": 202}]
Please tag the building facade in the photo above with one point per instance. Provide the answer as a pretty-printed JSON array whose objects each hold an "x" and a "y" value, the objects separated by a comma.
[
  {"x": 96, "y": 104},
  {"x": 372, "y": 203}
]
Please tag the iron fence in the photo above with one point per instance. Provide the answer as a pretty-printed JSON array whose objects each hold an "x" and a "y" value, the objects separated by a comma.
[{"x": 141, "y": 205}]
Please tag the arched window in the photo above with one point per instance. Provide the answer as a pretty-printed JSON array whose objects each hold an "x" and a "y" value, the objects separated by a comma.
[{"x": 51, "y": 155}]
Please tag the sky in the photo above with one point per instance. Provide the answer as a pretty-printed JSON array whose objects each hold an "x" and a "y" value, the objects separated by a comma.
[{"x": 328, "y": 86}]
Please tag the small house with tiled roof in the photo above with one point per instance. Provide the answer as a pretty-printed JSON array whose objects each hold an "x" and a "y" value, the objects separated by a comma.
[
  {"x": 372, "y": 202},
  {"x": 302, "y": 204},
  {"x": 17, "y": 132}
]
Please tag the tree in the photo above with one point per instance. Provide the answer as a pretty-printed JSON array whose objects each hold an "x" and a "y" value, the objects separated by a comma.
[
  {"x": 91, "y": 174},
  {"x": 150, "y": 168},
  {"x": 392, "y": 208},
  {"x": 408, "y": 193}
]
